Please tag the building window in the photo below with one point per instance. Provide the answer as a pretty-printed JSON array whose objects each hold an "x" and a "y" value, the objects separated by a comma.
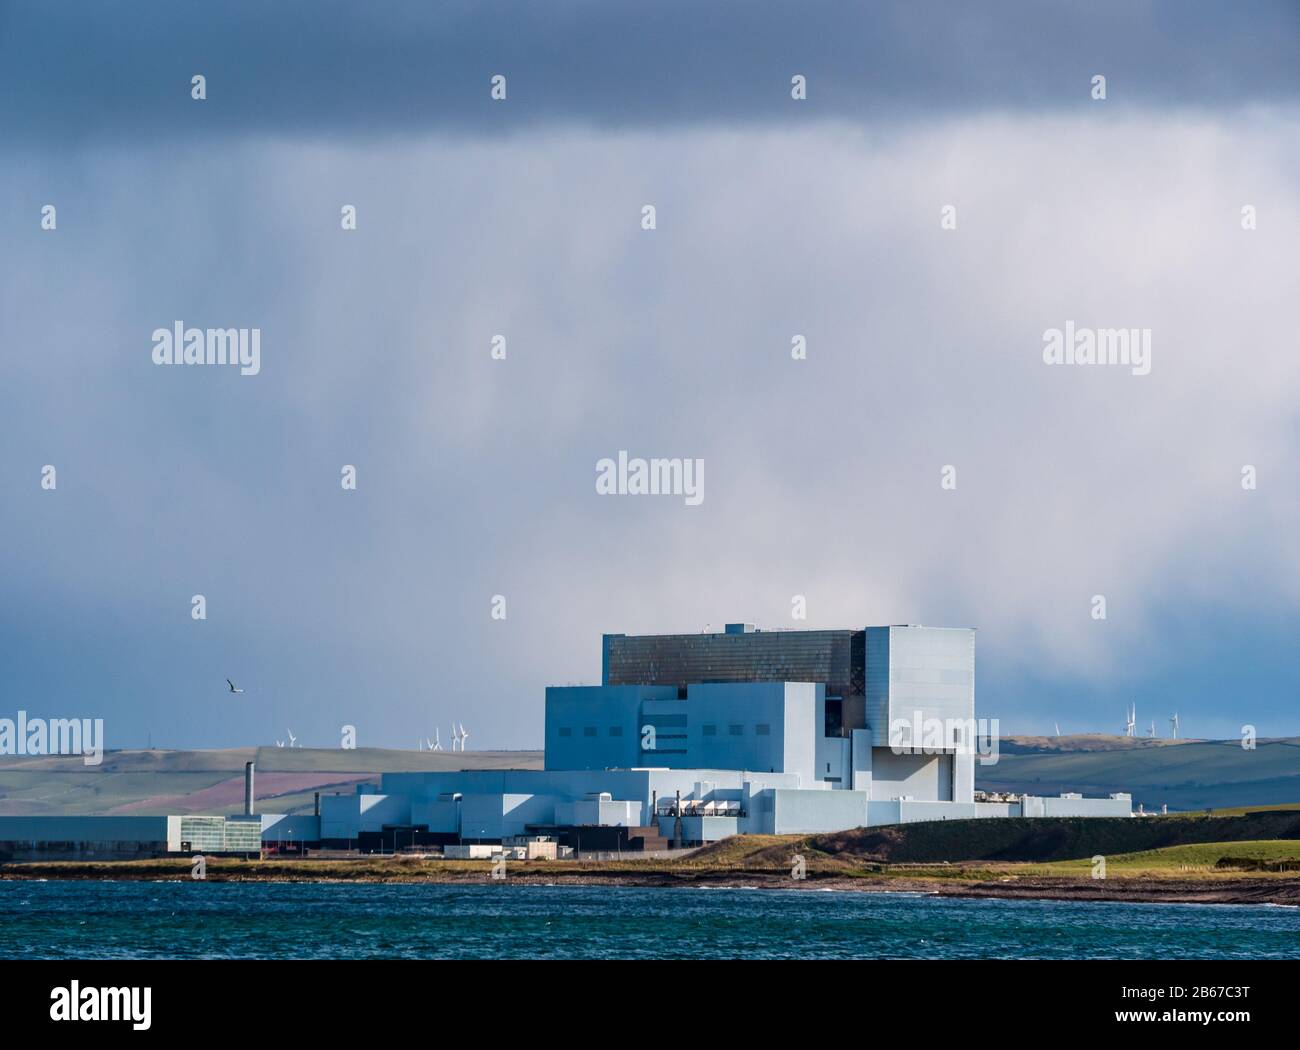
[
  {"x": 565, "y": 731},
  {"x": 589, "y": 731},
  {"x": 615, "y": 730},
  {"x": 736, "y": 729},
  {"x": 762, "y": 729},
  {"x": 834, "y": 717},
  {"x": 710, "y": 730}
]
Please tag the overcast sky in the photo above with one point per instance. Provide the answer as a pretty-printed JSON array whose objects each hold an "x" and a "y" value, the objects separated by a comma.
[{"x": 522, "y": 217}]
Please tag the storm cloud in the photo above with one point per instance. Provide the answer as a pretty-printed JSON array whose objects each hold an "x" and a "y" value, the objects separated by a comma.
[
  {"x": 476, "y": 476},
  {"x": 120, "y": 71}
]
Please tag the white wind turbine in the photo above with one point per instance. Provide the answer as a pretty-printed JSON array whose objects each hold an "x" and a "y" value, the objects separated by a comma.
[
  {"x": 464, "y": 735},
  {"x": 1058, "y": 728},
  {"x": 293, "y": 740},
  {"x": 435, "y": 744},
  {"x": 1130, "y": 726},
  {"x": 455, "y": 737},
  {"x": 1173, "y": 721}
]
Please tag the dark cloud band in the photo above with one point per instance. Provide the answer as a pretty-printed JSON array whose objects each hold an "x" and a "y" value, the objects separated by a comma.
[{"x": 122, "y": 70}]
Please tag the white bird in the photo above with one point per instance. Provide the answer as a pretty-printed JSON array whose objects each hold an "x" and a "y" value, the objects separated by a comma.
[
  {"x": 464, "y": 735},
  {"x": 233, "y": 687},
  {"x": 293, "y": 740}
]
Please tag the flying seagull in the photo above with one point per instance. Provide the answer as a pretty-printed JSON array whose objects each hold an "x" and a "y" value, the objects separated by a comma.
[{"x": 233, "y": 687}]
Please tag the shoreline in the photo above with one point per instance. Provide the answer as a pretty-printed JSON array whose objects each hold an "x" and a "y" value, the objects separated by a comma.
[{"x": 1216, "y": 888}]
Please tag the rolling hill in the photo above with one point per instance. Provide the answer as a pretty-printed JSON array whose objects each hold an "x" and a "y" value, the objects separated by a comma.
[
  {"x": 1183, "y": 774},
  {"x": 157, "y": 782},
  {"x": 1186, "y": 775}
]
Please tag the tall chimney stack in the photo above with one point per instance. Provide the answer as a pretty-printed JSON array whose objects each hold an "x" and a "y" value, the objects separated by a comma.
[{"x": 248, "y": 789}]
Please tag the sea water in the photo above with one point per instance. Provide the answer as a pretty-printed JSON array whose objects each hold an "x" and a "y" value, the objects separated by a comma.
[{"x": 131, "y": 920}]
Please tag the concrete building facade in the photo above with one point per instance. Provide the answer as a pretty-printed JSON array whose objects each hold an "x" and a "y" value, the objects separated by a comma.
[
  {"x": 745, "y": 731},
  {"x": 688, "y": 738},
  {"x": 126, "y": 837}
]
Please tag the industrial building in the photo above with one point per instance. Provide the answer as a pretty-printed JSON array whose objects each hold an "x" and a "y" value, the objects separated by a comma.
[
  {"x": 126, "y": 837},
  {"x": 694, "y": 737},
  {"x": 689, "y": 738},
  {"x": 43, "y": 838}
]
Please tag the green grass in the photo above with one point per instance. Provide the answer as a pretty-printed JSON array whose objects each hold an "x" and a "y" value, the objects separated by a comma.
[
  {"x": 755, "y": 858},
  {"x": 1240, "y": 811},
  {"x": 1195, "y": 857}
]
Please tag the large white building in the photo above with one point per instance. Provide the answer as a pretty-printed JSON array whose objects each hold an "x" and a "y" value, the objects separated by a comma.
[{"x": 691, "y": 738}]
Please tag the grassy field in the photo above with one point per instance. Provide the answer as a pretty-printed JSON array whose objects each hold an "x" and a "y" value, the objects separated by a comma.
[
  {"x": 1196, "y": 857},
  {"x": 158, "y": 782},
  {"x": 1038, "y": 841},
  {"x": 1185, "y": 775},
  {"x": 1190, "y": 874},
  {"x": 1240, "y": 811},
  {"x": 1053, "y": 839}
]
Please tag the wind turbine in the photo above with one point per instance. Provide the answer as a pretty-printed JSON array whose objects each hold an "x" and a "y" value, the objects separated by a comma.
[
  {"x": 455, "y": 736},
  {"x": 435, "y": 744},
  {"x": 1173, "y": 721},
  {"x": 279, "y": 743},
  {"x": 293, "y": 740},
  {"x": 1152, "y": 731},
  {"x": 233, "y": 688},
  {"x": 464, "y": 735},
  {"x": 1130, "y": 726},
  {"x": 1058, "y": 728}
]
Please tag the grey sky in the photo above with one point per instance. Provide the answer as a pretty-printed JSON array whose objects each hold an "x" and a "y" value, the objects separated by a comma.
[
  {"x": 108, "y": 70},
  {"x": 476, "y": 477}
]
